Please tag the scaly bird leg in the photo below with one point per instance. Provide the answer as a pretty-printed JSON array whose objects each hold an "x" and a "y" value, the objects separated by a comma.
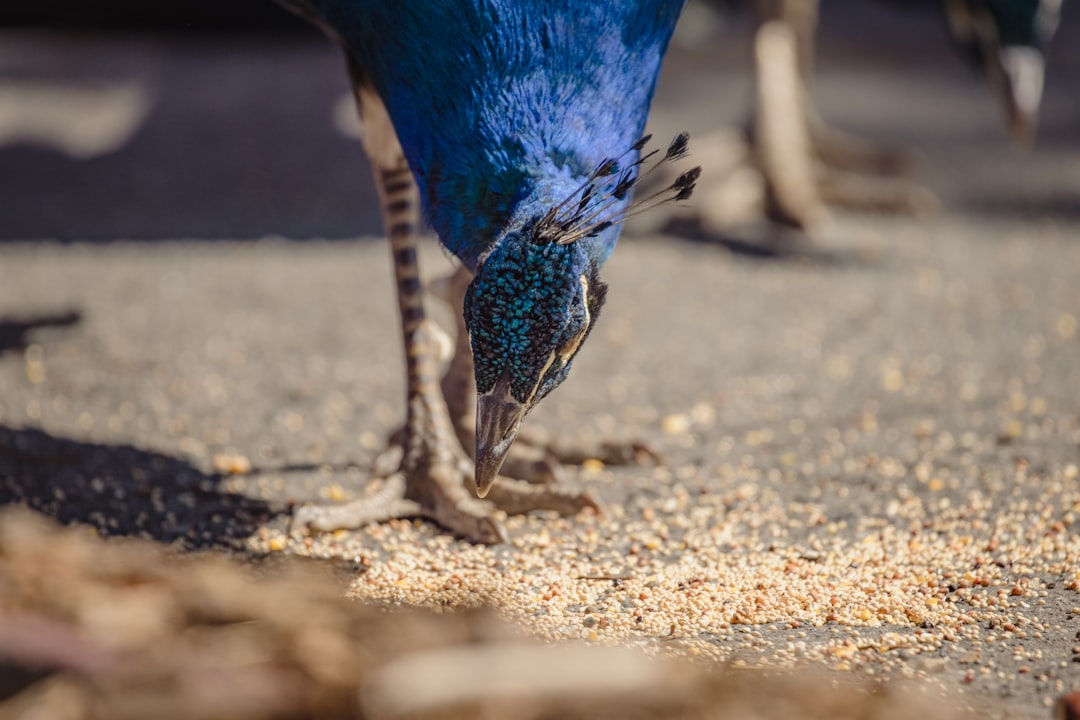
[
  {"x": 435, "y": 475},
  {"x": 805, "y": 163}
]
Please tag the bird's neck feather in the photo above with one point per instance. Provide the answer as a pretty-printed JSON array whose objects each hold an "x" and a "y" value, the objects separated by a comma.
[{"x": 487, "y": 96}]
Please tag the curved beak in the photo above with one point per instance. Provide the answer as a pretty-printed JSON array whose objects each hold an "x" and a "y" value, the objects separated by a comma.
[
  {"x": 498, "y": 418},
  {"x": 1024, "y": 68}
]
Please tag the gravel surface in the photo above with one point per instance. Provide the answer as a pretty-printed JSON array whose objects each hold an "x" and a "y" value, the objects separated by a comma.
[
  {"x": 117, "y": 630},
  {"x": 871, "y": 443}
]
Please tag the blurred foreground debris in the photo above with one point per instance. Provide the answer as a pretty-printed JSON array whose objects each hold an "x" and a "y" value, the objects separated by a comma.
[{"x": 126, "y": 629}]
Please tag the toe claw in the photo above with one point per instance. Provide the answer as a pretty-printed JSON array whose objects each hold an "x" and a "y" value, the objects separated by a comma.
[
  {"x": 388, "y": 461},
  {"x": 487, "y": 532}
]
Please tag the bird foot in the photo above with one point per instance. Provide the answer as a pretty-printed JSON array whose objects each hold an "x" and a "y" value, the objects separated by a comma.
[
  {"x": 542, "y": 458},
  {"x": 877, "y": 193},
  {"x": 857, "y": 173},
  {"x": 844, "y": 151},
  {"x": 877, "y": 186},
  {"x": 437, "y": 484}
]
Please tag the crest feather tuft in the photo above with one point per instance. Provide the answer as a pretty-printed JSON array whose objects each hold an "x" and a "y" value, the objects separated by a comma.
[{"x": 579, "y": 215}]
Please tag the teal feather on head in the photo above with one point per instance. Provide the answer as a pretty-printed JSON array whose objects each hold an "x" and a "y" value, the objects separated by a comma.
[
  {"x": 537, "y": 293},
  {"x": 537, "y": 302}
]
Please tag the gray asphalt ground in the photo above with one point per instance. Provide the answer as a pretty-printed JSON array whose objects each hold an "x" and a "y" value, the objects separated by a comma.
[{"x": 871, "y": 442}]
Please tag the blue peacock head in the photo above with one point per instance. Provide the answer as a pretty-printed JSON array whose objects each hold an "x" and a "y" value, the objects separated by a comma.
[{"x": 537, "y": 295}]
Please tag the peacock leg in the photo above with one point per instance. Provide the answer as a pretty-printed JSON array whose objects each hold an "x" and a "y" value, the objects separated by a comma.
[{"x": 435, "y": 476}]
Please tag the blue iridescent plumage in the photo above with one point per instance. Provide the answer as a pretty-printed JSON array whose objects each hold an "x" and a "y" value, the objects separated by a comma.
[{"x": 504, "y": 107}]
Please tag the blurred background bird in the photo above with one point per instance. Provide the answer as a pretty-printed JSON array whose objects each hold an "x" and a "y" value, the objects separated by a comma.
[
  {"x": 513, "y": 127},
  {"x": 806, "y": 164},
  {"x": 1008, "y": 40}
]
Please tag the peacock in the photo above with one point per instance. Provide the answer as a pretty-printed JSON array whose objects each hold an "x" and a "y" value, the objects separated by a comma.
[{"x": 514, "y": 128}]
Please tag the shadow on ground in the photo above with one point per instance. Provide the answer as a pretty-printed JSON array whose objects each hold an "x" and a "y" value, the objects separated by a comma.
[
  {"x": 15, "y": 331},
  {"x": 207, "y": 138},
  {"x": 124, "y": 490},
  {"x": 768, "y": 243}
]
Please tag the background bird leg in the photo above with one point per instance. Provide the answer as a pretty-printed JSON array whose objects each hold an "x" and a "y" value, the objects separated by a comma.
[
  {"x": 805, "y": 163},
  {"x": 534, "y": 457},
  {"x": 430, "y": 479},
  {"x": 435, "y": 475},
  {"x": 780, "y": 136}
]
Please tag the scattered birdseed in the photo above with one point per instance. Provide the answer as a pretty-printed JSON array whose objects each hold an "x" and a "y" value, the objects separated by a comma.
[
  {"x": 231, "y": 464},
  {"x": 891, "y": 527},
  {"x": 34, "y": 356},
  {"x": 592, "y": 465},
  {"x": 677, "y": 424},
  {"x": 1066, "y": 325}
]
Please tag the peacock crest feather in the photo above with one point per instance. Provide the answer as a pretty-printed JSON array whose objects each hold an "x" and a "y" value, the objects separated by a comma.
[{"x": 588, "y": 210}]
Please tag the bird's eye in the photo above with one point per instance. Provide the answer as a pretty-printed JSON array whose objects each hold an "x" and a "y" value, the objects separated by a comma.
[
  {"x": 577, "y": 329},
  {"x": 570, "y": 347}
]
